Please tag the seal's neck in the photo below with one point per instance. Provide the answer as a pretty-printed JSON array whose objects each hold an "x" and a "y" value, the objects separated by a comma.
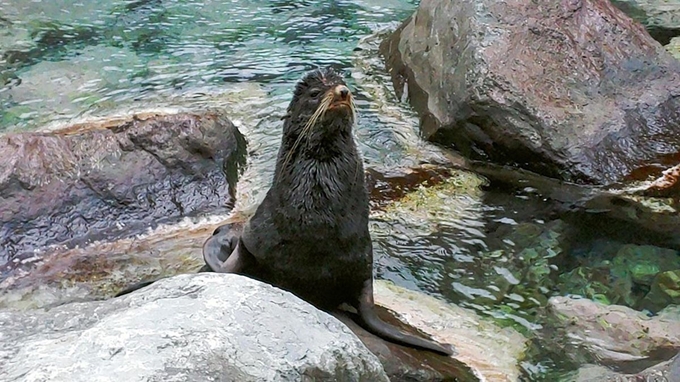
[{"x": 324, "y": 164}]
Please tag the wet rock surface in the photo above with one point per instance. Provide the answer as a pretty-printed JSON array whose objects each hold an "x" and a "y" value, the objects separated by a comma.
[
  {"x": 406, "y": 364},
  {"x": 575, "y": 91},
  {"x": 113, "y": 178},
  {"x": 668, "y": 371},
  {"x": 473, "y": 337},
  {"x": 189, "y": 328},
  {"x": 611, "y": 335}
]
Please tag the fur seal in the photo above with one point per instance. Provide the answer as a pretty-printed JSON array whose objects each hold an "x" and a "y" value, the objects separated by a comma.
[{"x": 310, "y": 233}]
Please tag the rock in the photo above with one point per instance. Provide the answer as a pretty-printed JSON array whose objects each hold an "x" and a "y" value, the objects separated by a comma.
[
  {"x": 165, "y": 316},
  {"x": 668, "y": 371},
  {"x": 98, "y": 271},
  {"x": 671, "y": 312},
  {"x": 665, "y": 291},
  {"x": 114, "y": 178},
  {"x": 473, "y": 337},
  {"x": 611, "y": 335},
  {"x": 668, "y": 185},
  {"x": 661, "y": 18},
  {"x": 88, "y": 273},
  {"x": 575, "y": 90},
  {"x": 644, "y": 262},
  {"x": 673, "y": 47},
  {"x": 202, "y": 327},
  {"x": 596, "y": 283}
]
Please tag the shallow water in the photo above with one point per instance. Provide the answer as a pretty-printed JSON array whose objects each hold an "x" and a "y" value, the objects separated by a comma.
[{"x": 466, "y": 243}]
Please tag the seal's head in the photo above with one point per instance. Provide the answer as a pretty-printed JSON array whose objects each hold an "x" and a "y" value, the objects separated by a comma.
[{"x": 322, "y": 104}]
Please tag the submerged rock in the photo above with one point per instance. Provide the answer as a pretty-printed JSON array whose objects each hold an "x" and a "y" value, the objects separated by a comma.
[
  {"x": 114, "y": 178},
  {"x": 202, "y": 327},
  {"x": 665, "y": 291},
  {"x": 69, "y": 86},
  {"x": 661, "y": 18},
  {"x": 576, "y": 90},
  {"x": 611, "y": 335},
  {"x": 634, "y": 269},
  {"x": 631, "y": 275},
  {"x": 644, "y": 262}
]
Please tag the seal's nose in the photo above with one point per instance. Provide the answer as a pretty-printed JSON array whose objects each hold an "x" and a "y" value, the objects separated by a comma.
[{"x": 342, "y": 92}]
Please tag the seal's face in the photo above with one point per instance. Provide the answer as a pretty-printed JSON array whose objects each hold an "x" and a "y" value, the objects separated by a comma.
[{"x": 322, "y": 102}]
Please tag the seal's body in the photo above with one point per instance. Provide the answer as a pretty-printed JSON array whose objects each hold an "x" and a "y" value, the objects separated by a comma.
[{"x": 310, "y": 233}]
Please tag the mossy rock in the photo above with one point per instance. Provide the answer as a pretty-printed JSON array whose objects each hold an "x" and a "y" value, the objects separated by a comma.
[
  {"x": 665, "y": 291},
  {"x": 644, "y": 262},
  {"x": 597, "y": 284}
]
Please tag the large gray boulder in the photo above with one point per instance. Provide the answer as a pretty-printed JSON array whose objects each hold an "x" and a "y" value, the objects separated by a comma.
[
  {"x": 202, "y": 327},
  {"x": 574, "y": 90},
  {"x": 113, "y": 178}
]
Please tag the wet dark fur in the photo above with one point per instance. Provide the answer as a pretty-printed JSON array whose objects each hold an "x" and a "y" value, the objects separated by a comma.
[{"x": 310, "y": 233}]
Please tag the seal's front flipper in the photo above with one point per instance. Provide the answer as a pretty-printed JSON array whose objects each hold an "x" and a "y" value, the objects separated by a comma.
[{"x": 371, "y": 322}]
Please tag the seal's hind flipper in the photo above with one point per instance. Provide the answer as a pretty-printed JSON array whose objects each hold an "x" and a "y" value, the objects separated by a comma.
[
  {"x": 219, "y": 247},
  {"x": 224, "y": 252},
  {"x": 369, "y": 319}
]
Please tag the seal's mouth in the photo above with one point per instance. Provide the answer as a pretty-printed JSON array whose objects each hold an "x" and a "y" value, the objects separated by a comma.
[{"x": 342, "y": 98}]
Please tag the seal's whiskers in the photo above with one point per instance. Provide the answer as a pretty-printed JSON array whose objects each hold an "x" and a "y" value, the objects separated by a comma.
[{"x": 318, "y": 113}]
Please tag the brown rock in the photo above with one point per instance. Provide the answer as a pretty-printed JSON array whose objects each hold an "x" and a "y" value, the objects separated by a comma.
[
  {"x": 114, "y": 178},
  {"x": 573, "y": 89},
  {"x": 666, "y": 185}
]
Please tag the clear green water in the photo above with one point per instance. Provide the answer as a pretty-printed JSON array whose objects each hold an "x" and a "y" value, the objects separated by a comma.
[{"x": 65, "y": 59}]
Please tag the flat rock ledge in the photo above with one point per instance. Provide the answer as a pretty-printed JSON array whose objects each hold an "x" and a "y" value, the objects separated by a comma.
[{"x": 204, "y": 327}]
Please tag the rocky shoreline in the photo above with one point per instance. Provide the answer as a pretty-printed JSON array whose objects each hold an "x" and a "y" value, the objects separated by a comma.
[{"x": 575, "y": 104}]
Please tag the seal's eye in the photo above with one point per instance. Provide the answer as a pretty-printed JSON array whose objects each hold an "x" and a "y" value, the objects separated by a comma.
[{"x": 314, "y": 92}]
